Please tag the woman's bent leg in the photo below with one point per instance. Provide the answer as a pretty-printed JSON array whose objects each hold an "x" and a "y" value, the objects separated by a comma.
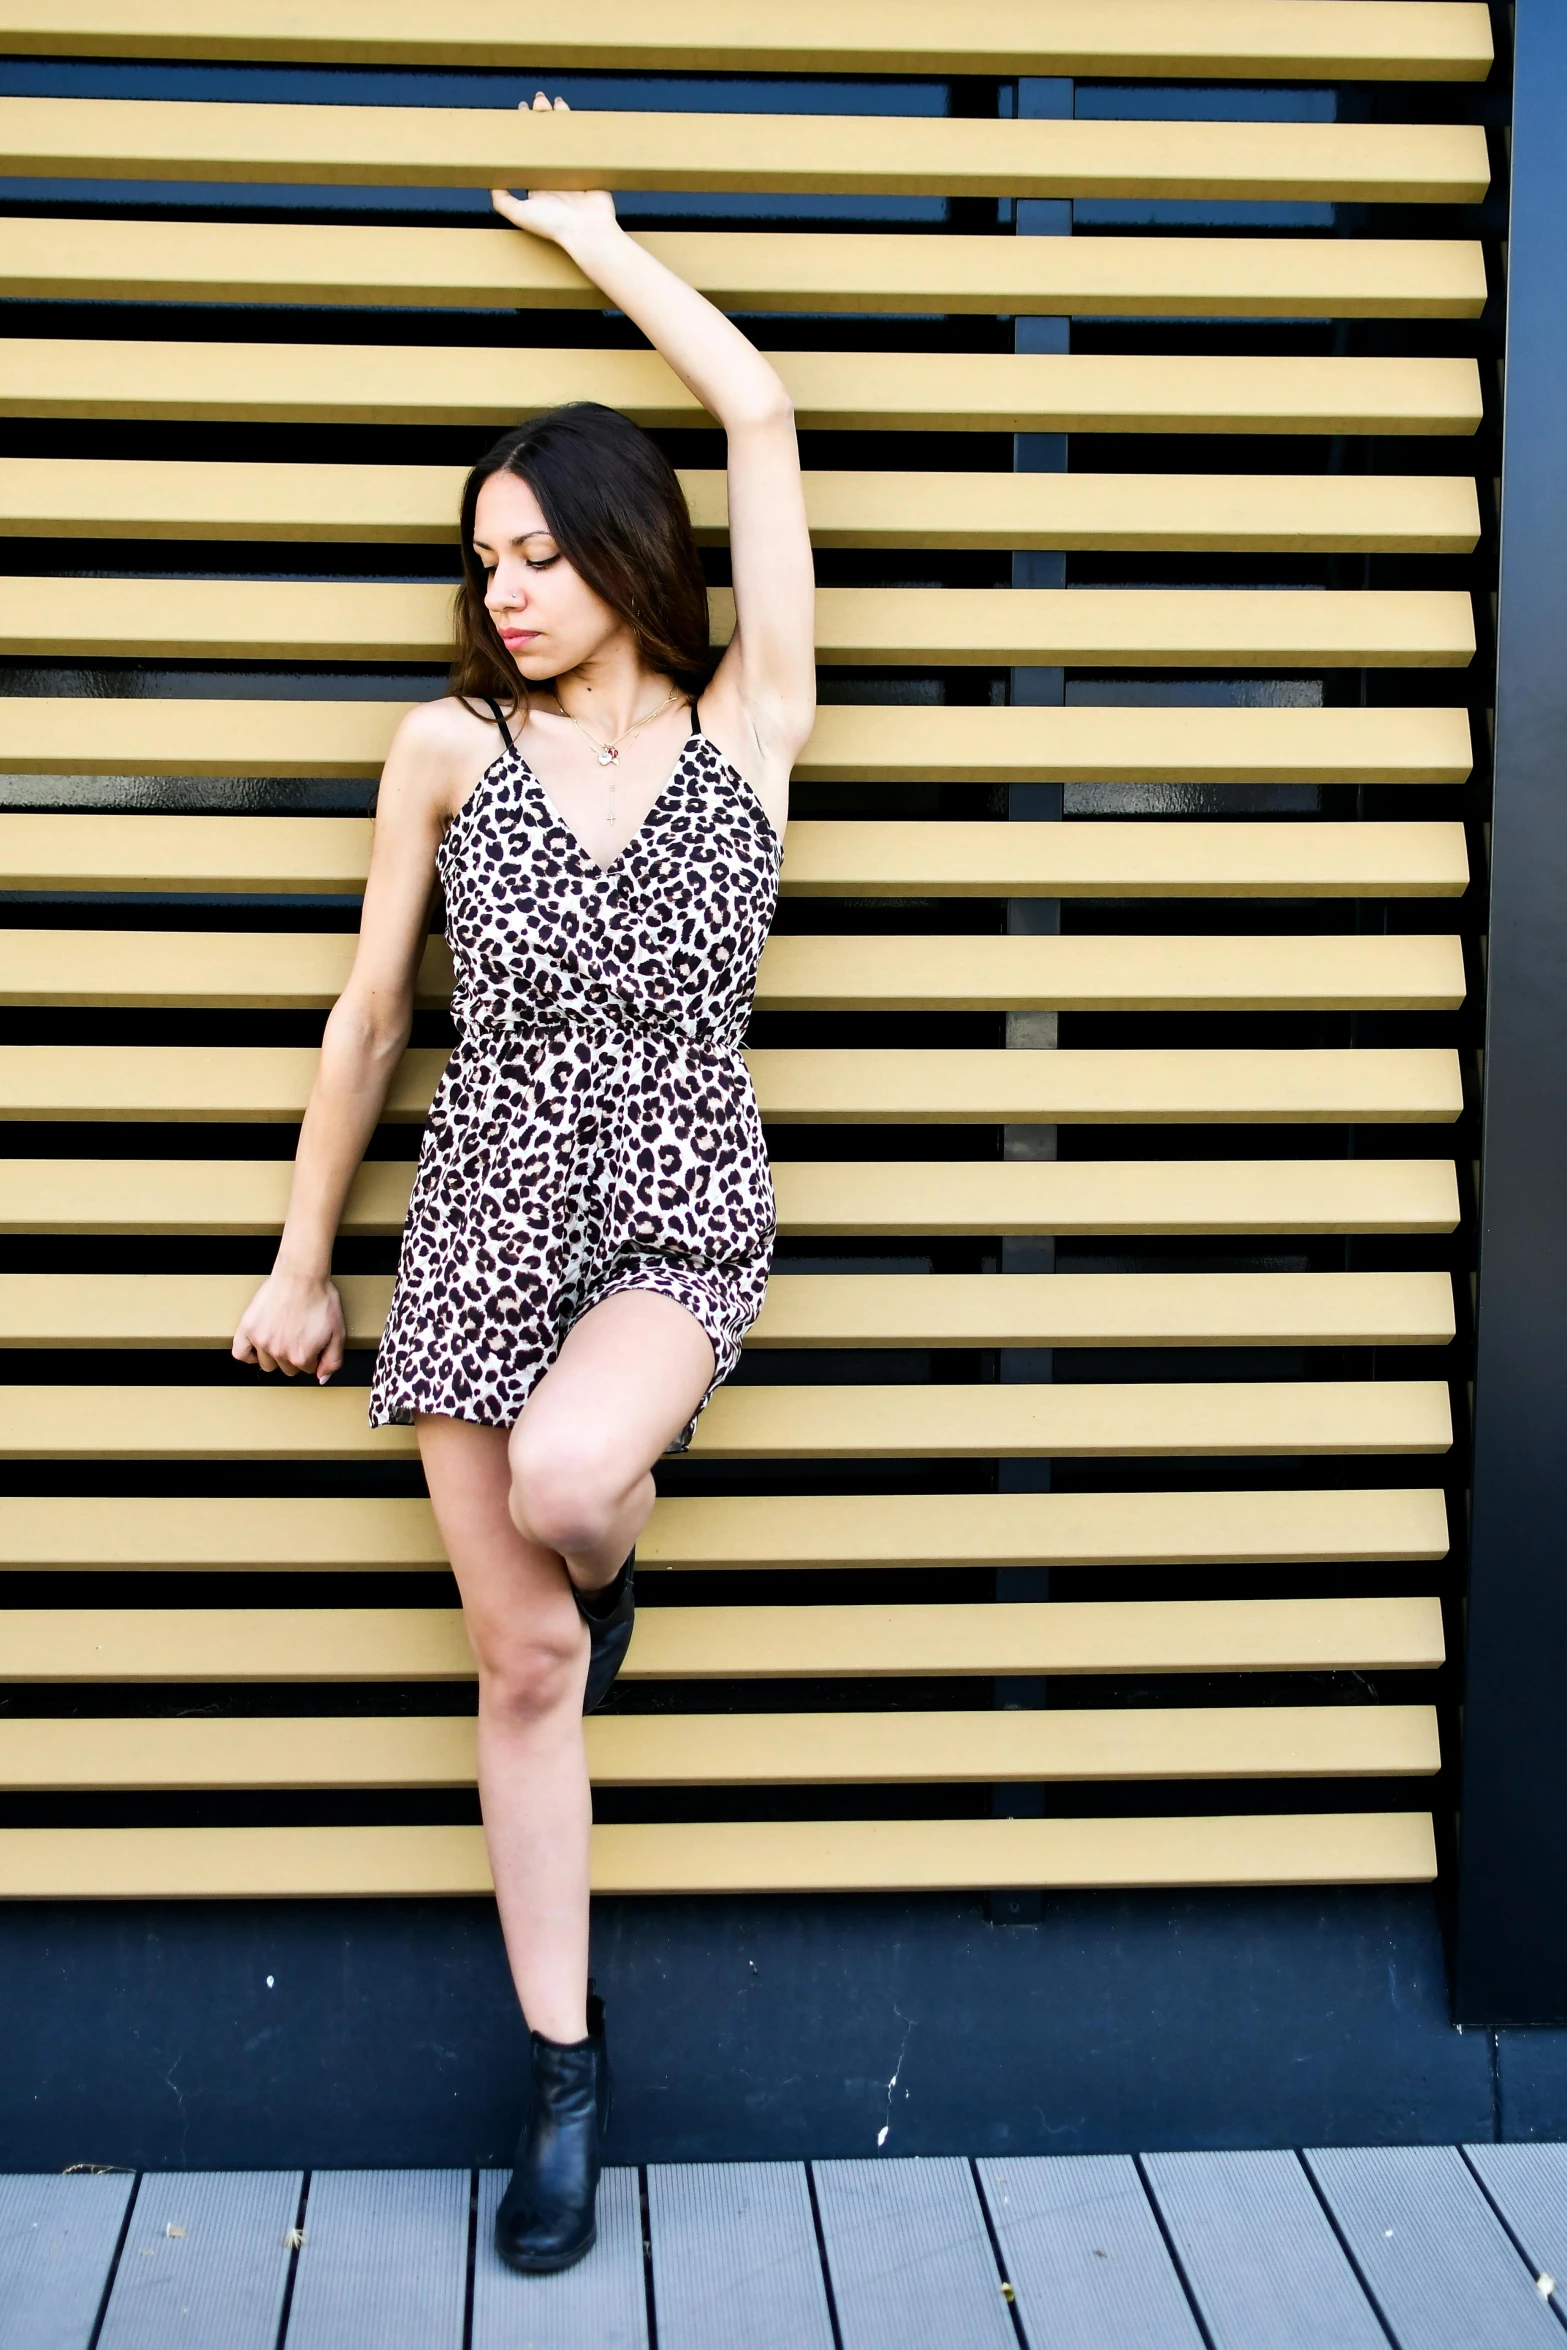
[
  {"x": 532, "y": 1651},
  {"x": 624, "y": 1384}
]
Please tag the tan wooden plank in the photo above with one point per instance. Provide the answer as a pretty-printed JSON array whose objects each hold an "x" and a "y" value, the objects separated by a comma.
[
  {"x": 1313, "y": 512},
  {"x": 826, "y": 1309},
  {"x": 1066, "y": 1088},
  {"x": 154, "y": 1644},
  {"x": 264, "y": 970},
  {"x": 1143, "y": 1087},
  {"x": 773, "y": 1856},
  {"x": 270, "y": 261},
  {"x": 388, "y": 620},
  {"x": 927, "y": 391},
  {"x": 1089, "y": 859},
  {"x": 740, "y": 1750},
  {"x": 1114, "y": 1195},
  {"x": 82, "y": 735},
  {"x": 269, "y": 1085},
  {"x": 330, "y": 855},
  {"x": 1208, "y": 1417},
  {"x": 839, "y": 154},
  {"x": 912, "y": 1197},
  {"x": 1417, "y": 40},
  {"x": 333, "y": 1532}
]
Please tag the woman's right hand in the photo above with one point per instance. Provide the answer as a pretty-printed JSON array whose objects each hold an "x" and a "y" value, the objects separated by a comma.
[{"x": 293, "y": 1323}]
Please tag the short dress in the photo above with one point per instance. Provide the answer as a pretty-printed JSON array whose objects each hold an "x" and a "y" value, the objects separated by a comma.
[{"x": 595, "y": 1129}]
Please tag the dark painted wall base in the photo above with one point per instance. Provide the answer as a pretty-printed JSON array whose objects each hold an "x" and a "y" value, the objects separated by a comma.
[{"x": 149, "y": 2034}]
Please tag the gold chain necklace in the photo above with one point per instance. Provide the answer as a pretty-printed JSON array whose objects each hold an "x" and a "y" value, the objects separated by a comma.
[{"x": 609, "y": 752}]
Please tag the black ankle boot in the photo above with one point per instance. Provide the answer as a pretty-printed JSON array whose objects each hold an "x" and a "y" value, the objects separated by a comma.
[
  {"x": 609, "y": 1615},
  {"x": 546, "y": 2218}
]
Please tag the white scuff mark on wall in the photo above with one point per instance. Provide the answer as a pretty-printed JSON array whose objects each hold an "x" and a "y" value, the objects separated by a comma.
[{"x": 908, "y": 2027}]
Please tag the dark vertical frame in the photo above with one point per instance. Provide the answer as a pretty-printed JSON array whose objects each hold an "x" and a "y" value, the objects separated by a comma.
[
  {"x": 1511, "y": 1928},
  {"x": 1034, "y": 100}
]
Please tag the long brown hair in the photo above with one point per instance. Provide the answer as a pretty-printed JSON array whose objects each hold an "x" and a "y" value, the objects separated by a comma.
[{"x": 616, "y": 511}]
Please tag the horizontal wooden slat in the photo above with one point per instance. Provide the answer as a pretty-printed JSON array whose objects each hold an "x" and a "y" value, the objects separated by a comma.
[
  {"x": 770, "y": 1856},
  {"x": 333, "y": 1532},
  {"x": 237, "y": 140},
  {"x": 269, "y": 1085},
  {"x": 826, "y": 1309},
  {"x": 946, "y": 1639},
  {"x": 330, "y": 855},
  {"x": 259, "y": 970},
  {"x": 255, "y": 261},
  {"x": 54, "y": 497},
  {"x": 1067, "y": 1088},
  {"x": 1417, "y": 40},
  {"x": 83, "y": 735},
  {"x": 911, "y": 1197},
  {"x": 926, "y": 391},
  {"x": 1087, "y": 859},
  {"x": 1208, "y": 1417},
  {"x": 397, "y": 620},
  {"x": 739, "y": 1750}
]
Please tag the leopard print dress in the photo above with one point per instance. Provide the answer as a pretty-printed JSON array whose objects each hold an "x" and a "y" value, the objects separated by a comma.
[{"x": 595, "y": 1130}]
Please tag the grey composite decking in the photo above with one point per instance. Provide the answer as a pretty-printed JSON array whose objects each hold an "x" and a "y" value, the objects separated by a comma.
[
  {"x": 737, "y": 2257},
  {"x": 1083, "y": 2252},
  {"x": 1424, "y": 2248},
  {"x": 384, "y": 2261},
  {"x": 1432, "y": 2250},
  {"x": 1260, "y": 2254}
]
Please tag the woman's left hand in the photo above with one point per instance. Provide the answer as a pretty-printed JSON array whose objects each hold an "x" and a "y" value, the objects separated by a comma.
[{"x": 556, "y": 213}]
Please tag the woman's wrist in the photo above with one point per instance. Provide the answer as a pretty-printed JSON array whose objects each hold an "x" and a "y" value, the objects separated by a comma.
[
  {"x": 290, "y": 1267},
  {"x": 587, "y": 242}
]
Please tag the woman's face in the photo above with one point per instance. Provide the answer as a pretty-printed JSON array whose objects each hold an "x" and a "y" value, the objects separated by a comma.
[{"x": 548, "y": 617}]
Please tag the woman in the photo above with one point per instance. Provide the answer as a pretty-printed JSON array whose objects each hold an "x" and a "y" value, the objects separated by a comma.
[{"x": 591, "y": 1223}]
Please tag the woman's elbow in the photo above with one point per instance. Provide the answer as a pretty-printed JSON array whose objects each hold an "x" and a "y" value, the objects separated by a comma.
[
  {"x": 765, "y": 407},
  {"x": 370, "y": 1034}
]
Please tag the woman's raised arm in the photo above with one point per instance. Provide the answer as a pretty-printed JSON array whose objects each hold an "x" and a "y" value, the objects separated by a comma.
[{"x": 769, "y": 671}]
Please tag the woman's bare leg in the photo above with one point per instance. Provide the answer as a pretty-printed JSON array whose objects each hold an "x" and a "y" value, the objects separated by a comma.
[
  {"x": 578, "y": 1480},
  {"x": 623, "y": 1386},
  {"x": 532, "y": 1652}
]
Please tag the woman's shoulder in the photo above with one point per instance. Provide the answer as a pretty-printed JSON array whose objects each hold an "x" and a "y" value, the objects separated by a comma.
[{"x": 447, "y": 729}]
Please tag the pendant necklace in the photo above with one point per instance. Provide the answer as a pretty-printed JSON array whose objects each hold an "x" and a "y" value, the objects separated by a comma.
[{"x": 608, "y": 753}]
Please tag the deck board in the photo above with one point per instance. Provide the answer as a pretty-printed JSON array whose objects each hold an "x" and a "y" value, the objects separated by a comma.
[
  {"x": 1261, "y": 2260},
  {"x": 735, "y": 2257},
  {"x": 384, "y": 2263},
  {"x": 1431, "y": 2249},
  {"x": 911, "y": 2262},
  {"x": 1528, "y": 2184},
  {"x": 219, "y": 2284},
  {"x": 57, "y": 2240},
  {"x": 603, "y": 2301},
  {"x": 1083, "y": 2252}
]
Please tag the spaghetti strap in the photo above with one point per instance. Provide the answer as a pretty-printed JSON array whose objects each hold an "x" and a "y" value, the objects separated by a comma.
[
  {"x": 696, "y": 718},
  {"x": 494, "y": 709}
]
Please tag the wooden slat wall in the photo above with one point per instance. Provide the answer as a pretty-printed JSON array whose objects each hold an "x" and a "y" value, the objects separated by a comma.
[{"x": 1119, "y": 1407}]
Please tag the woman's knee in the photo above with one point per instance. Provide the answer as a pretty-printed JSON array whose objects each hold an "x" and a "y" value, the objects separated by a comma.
[
  {"x": 566, "y": 1492},
  {"x": 528, "y": 1673}
]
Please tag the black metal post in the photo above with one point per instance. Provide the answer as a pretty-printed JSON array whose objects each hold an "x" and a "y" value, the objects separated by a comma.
[
  {"x": 1511, "y": 1943},
  {"x": 1032, "y": 803}
]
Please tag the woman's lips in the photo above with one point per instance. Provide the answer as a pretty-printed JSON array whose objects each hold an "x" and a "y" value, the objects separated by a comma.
[{"x": 520, "y": 636}]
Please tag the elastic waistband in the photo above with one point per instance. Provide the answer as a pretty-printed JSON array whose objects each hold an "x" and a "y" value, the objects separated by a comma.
[{"x": 524, "y": 1025}]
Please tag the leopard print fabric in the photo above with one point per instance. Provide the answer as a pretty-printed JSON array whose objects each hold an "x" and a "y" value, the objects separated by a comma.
[{"x": 595, "y": 1130}]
